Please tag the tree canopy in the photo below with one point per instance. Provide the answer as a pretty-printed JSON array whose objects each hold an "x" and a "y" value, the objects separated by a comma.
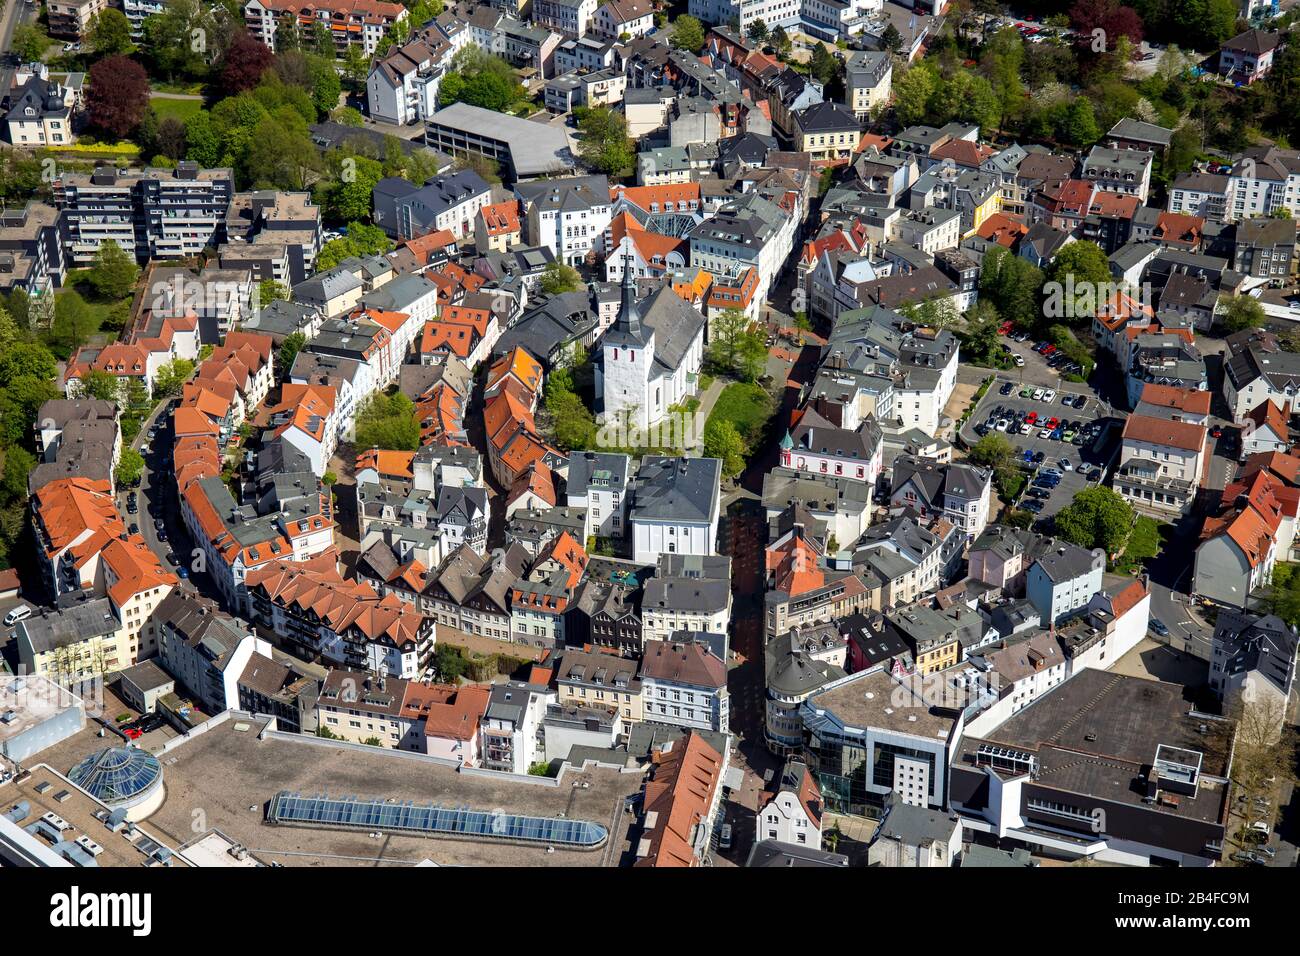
[{"x": 1096, "y": 518}]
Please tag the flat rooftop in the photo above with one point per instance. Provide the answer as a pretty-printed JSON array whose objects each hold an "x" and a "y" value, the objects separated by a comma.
[
  {"x": 535, "y": 148},
  {"x": 26, "y": 702},
  {"x": 878, "y": 700},
  {"x": 1097, "y": 732},
  {"x": 227, "y": 771},
  {"x": 42, "y": 789}
]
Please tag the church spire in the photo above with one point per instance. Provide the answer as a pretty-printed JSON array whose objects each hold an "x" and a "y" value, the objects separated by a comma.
[{"x": 629, "y": 315}]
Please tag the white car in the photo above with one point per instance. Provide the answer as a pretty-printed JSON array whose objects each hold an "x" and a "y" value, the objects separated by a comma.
[
  {"x": 1065, "y": 464},
  {"x": 1045, "y": 433},
  {"x": 1049, "y": 396},
  {"x": 1026, "y": 429},
  {"x": 1020, "y": 361},
  {"x": 1038, "y": 394},
  {"x": 1002, "y": 424},
  {"x": 21, "y": 613}
]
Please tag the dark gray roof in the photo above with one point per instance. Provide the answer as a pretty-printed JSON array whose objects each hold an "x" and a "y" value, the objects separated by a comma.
[
  {"x": 1260, "y": 643},
  {"x": 610, "y": 470},
  {"x": 677, "y": 489},
  {"x": 770, "y": 853},
  {"x": 49, "y": 629},
  {"x": 915, "y": 826}
]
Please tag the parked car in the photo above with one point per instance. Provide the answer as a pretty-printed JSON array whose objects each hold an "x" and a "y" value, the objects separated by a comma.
[
  {"x": 1006, "y": 388},
  {"x": 724, "y": 840},
  {"x": 133, "y": 733},
  {"x": 1159, "y": 627}
]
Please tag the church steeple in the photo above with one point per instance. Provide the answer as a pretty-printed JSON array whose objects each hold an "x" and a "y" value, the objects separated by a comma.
[{"x": 629, "y": 314}]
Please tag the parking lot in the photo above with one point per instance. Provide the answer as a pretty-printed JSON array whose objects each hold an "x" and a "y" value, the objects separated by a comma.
[{"x": 1094, "y": 425}]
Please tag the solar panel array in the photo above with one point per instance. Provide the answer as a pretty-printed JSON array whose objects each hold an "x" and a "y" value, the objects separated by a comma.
[{"x": 408, "y": 817}]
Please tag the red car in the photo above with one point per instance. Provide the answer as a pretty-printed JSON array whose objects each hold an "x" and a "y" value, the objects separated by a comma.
[
  {"x": 1004, "y": 328},
  {"x": 1216, "y": 432},
  {"x": 133, "y": 733},
  {"x": 1052, "y": 422},
  {"x": 1049, "y": 350},
  {"x": 1031, "y": 418}
]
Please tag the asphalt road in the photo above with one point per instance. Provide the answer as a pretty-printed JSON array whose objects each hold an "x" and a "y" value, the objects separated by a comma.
[{"x": 14, "y": 13}]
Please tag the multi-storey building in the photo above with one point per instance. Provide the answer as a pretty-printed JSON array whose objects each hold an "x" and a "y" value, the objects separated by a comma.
[{"x": 150, "y": 213}]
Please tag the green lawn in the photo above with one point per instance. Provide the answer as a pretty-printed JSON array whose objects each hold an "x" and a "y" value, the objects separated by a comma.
[
  {"x": 175, "y": 109},
  {"x": 746, "y": 406}
]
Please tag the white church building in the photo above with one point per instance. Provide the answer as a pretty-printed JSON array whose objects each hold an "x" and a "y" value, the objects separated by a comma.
[{"x": 650, "y": 357}]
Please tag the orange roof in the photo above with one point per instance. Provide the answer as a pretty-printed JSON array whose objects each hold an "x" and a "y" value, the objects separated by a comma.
[
  {"x": 451, "y": 337},
  {"x": 680, "y": 795},
  {"x": 1002, "y": 229},
  {"x": 651, "y": 246},
  {"x": 450, "y": 712},
  {"x": 1128, "y": 598},
  {"x": 396, "y": 464},
  {"x": 392, "y": 321},
  {"x": 1269, "y": 415},
  {"x": 963, "y": 152},
  {"x": 1285, "y": 466},
  {"x": 1119, "y": 309},
  {"x": 795, "y": 565},
  {"x": 540, "y": 481},
  {"x": 70, "y": 507},
  {"x": 1113, "y": 205},
  {"x": 1251, "y": 534},
  {"x": 667, "y": 197},
  {"x": 519, "y": 364},
  {"x": 869, "y": 140},
  {"x": 1178, "y": 228},
  {"x": 1182, "y": 399},
  {"x": 565, "y": 551},
  {"x": 310, "y": 409},
  {"x": 135, "y": 567},
  {"x": 501, "y": 218},
  {"x": 1165, "y": 432}
]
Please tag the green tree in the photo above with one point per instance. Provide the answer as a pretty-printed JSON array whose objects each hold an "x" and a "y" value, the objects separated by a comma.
[
  {"x": 1096, "y": 518},
  {"x": 992, "y": 451},
  {"x": 737, "y": 345},
  {"x": 388, "y": 422},
  {"x": 605, "y": 146},
  {"x": 268, "y": 291},
  {"x": 110, "y": 33},
  {"x": 293, "y": 344},
  {"x": 1243, "y": 312},
  {"x": 558, "y": 278},
  {"x": 114, "y": 274},
  {"x": 73, "y": 324},
  {"x": 757, "y": 31},
  {"x": 30, "y": 42},
  {"x": 130, "y": 466},
  {"x": 101, "y": 385},
  {"x": 891, "y": 39},
  {"x": 687, "y": 34},
  {"x": 780, "y": 41},
  {"x": 572, "y": 423},
  {"x": 912, "y": 93},
  {"x": 171, "y": 377},
  {"x": 1079, "y": 125},
  {"x": 347, "y": 198},
  {"x": 722, "y": 440},
  {"x": 26, "y": 360},
  {"x": 169, "y": 38},
  {"x": 19, "y": 463},
  {"x": 1078, "y": 282},
  {"x": 1012, "y": 285}
]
